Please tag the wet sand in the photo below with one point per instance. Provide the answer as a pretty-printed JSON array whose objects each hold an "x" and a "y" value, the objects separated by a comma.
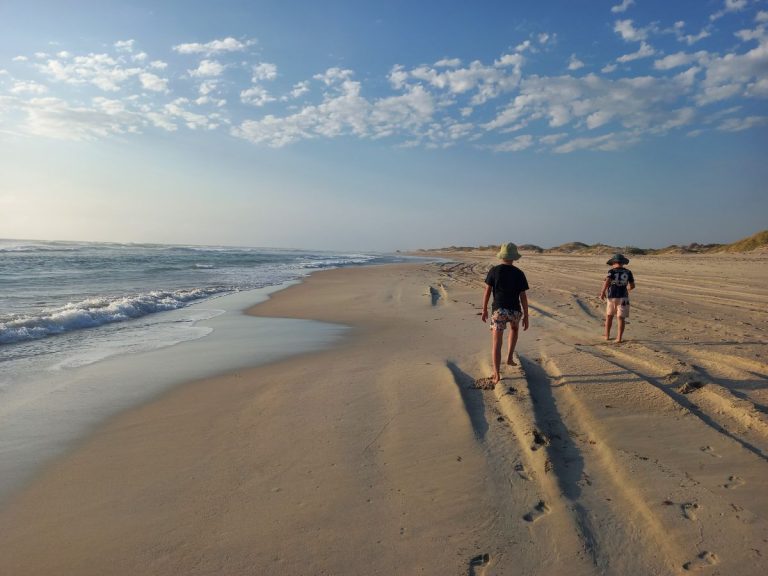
[{"x": 383, "y": 456}]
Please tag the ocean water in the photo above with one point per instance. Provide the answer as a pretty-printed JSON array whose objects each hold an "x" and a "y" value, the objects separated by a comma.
[
  {"x": 65, "y": 304},
  {"x": 90, "y": 329}
]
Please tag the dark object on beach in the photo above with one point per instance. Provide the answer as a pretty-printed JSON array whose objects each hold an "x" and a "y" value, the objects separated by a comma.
[
  {"x": 480, "y": 560},
  {"x": 690, "y": 386}
]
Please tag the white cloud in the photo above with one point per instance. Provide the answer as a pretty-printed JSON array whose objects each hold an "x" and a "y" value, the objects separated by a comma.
[
  {"x": 100, "y": 70},
  {"x": 741, "y": 124},
  {"x": 299, "y": 89},
  {"x": 20, "y": 59},
  {"x": 762, "y": 17},
  {"x": 691, "y": 39},
  {"x": 397, "y": 77},
  {"x": 607, "y": 143},
  {"x": 208, "y": 69},
  {"x": 264, "y": 71},
  {"x": 543, "y": 38},
  {"x": 158, "y": 65},
  {"x": 207, "y": 86},
  {"x": 640, "y": 104},
  {"x": 732, "y": 74},
  {"x": 153, "y": 82},
  {"x": 749, "y": 35},
  {"x": 28, "y": 87},
  {"x": 608, "y": 68},
  {"x": 448, "y": 63},
  {"x": 758, "y": 89},
  {"x": 482, "y": 81},
  {"x": 645, "y": 51},
  {"x": 55, "y": 118},
  {"x": 515, "y": 60},
  {"x": 140, "y": 57},
  {"x": 193, "y": 121},
  {"x": 623, "y": 6},
  {"x": 256, "y": 96},
  {"x": 523, "y": 46},
  {"x": 124, "y": 45},
  {"x": 730, "y": 6},
  {"x": 346, "y": 112},
  {"x": 673, "y": 61},
  {"x": 574, "y": 63},
  {"x": 515, "y": 145},
  {"x": 628, "y": 32},
  {"x": 333, "y": 75},
  {"x": 228, "y": 44}
]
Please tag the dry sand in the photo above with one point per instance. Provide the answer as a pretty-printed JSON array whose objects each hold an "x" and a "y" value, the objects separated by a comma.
[{"x": 381, "y": 457}]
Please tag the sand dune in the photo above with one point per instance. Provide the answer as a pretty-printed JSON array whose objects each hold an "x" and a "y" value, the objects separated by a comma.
[{"x": 383, "y": 456}]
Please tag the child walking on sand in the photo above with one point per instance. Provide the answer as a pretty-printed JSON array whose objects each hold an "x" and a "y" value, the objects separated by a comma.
[
  {"x": 616, "y": 287},
  {"x": 508, "y": 284}
]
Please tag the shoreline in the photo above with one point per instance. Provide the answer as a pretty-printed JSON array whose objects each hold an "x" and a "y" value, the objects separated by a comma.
[
  {"x": 378, "y": 456},
  {"x": 89, "y": 396}
]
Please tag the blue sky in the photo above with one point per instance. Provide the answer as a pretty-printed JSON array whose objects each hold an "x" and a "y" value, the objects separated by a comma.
[{"x": 391, "y": 125}]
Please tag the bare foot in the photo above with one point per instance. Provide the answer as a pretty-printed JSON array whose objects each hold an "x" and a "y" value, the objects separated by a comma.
[
  {"x": 511, "y": 361},
  {"x": 495, "y": 378}
]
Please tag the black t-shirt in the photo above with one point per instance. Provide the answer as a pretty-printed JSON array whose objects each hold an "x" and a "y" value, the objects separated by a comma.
[
  {"x": 508, "y": 282},
  {"x": 620, "y": 278}
]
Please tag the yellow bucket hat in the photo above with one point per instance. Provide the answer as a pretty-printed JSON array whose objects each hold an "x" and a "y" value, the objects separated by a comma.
[{"x": 508, "y": 251}]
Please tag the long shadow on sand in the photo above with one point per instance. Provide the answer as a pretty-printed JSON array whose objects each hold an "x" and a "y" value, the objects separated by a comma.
[
  {"x": 564, "y": 456},
  {"x": 472, "y": 398}
]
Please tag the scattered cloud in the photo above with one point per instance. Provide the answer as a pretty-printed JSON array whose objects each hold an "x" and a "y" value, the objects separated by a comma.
[
  {"x": 628, "y": 32},
  {"x": 264, "y": 71},
  {"x": 124, "y": 45},
  {"x": 208, "y": 69},
  {"x": 499, "y": 104},
  {"x": 448, "y": 63},
  {"x": 574, "y": 63},
  {"x": 256, "y": 96},
  {"x": 740, "y": 124},
  {"x": 515, "y": 145},
  {"x": 645, "y": 51},
  {"x": 623, "y": 7},
  {"x": 152, "y": 82},
  {"x": 225, "y": 45},
  {"x": 674, "y": 61},
  {"x": 729, "y": 6}
]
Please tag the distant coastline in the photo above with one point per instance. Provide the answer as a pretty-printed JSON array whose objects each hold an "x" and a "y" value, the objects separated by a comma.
[{"x": 756, "y": 243}]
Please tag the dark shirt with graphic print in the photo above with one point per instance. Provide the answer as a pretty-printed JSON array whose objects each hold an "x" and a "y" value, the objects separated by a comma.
[
  {"x": 620, "y": 278},
  {"x": 508, "y": 282}
]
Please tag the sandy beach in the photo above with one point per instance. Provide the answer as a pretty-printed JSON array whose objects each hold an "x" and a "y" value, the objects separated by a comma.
[{"x": 380, "y": 456}]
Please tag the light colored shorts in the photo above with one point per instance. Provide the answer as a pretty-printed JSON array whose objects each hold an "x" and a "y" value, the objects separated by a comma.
[
  {"x": 503, "y": 315},
  {"x": 617, "y": 307}
]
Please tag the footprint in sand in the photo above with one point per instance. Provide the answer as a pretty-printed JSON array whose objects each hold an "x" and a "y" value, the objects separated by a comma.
[
  {"x": 539, "y": 440},
  {"x": 541, "y": 509},
  {"x": 703, "y": 560},
  {"x": 479, "y": 561},
  {"x": 711, "y": 451},
  {"x": 733, "y": 482},
  {"x": 485, "y": 383},
  {"x": 522, "y": 472},
  {"x": 689, "y": 510}
]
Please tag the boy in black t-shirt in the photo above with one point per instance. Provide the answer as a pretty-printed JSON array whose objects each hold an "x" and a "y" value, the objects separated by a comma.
[
  {"x": 616, "y": 287},
  {"x": 508, "y": 284}
]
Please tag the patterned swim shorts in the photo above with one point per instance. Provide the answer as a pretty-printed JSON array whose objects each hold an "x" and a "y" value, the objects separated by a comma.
[
  {"x": 503, "y": 315},
  {"x": 617, "y": 307}
]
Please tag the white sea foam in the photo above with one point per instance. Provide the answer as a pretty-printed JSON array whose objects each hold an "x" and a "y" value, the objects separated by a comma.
[{"x": 97, "y": 312}]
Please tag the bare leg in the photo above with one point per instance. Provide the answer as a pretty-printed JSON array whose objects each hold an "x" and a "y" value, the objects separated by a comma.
[
  {"x": 608, "y": 324},
  {"x": 512, "y": 342},
  {"x": 620, "y": 327},
  {"x": 496, "y": 337}
]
